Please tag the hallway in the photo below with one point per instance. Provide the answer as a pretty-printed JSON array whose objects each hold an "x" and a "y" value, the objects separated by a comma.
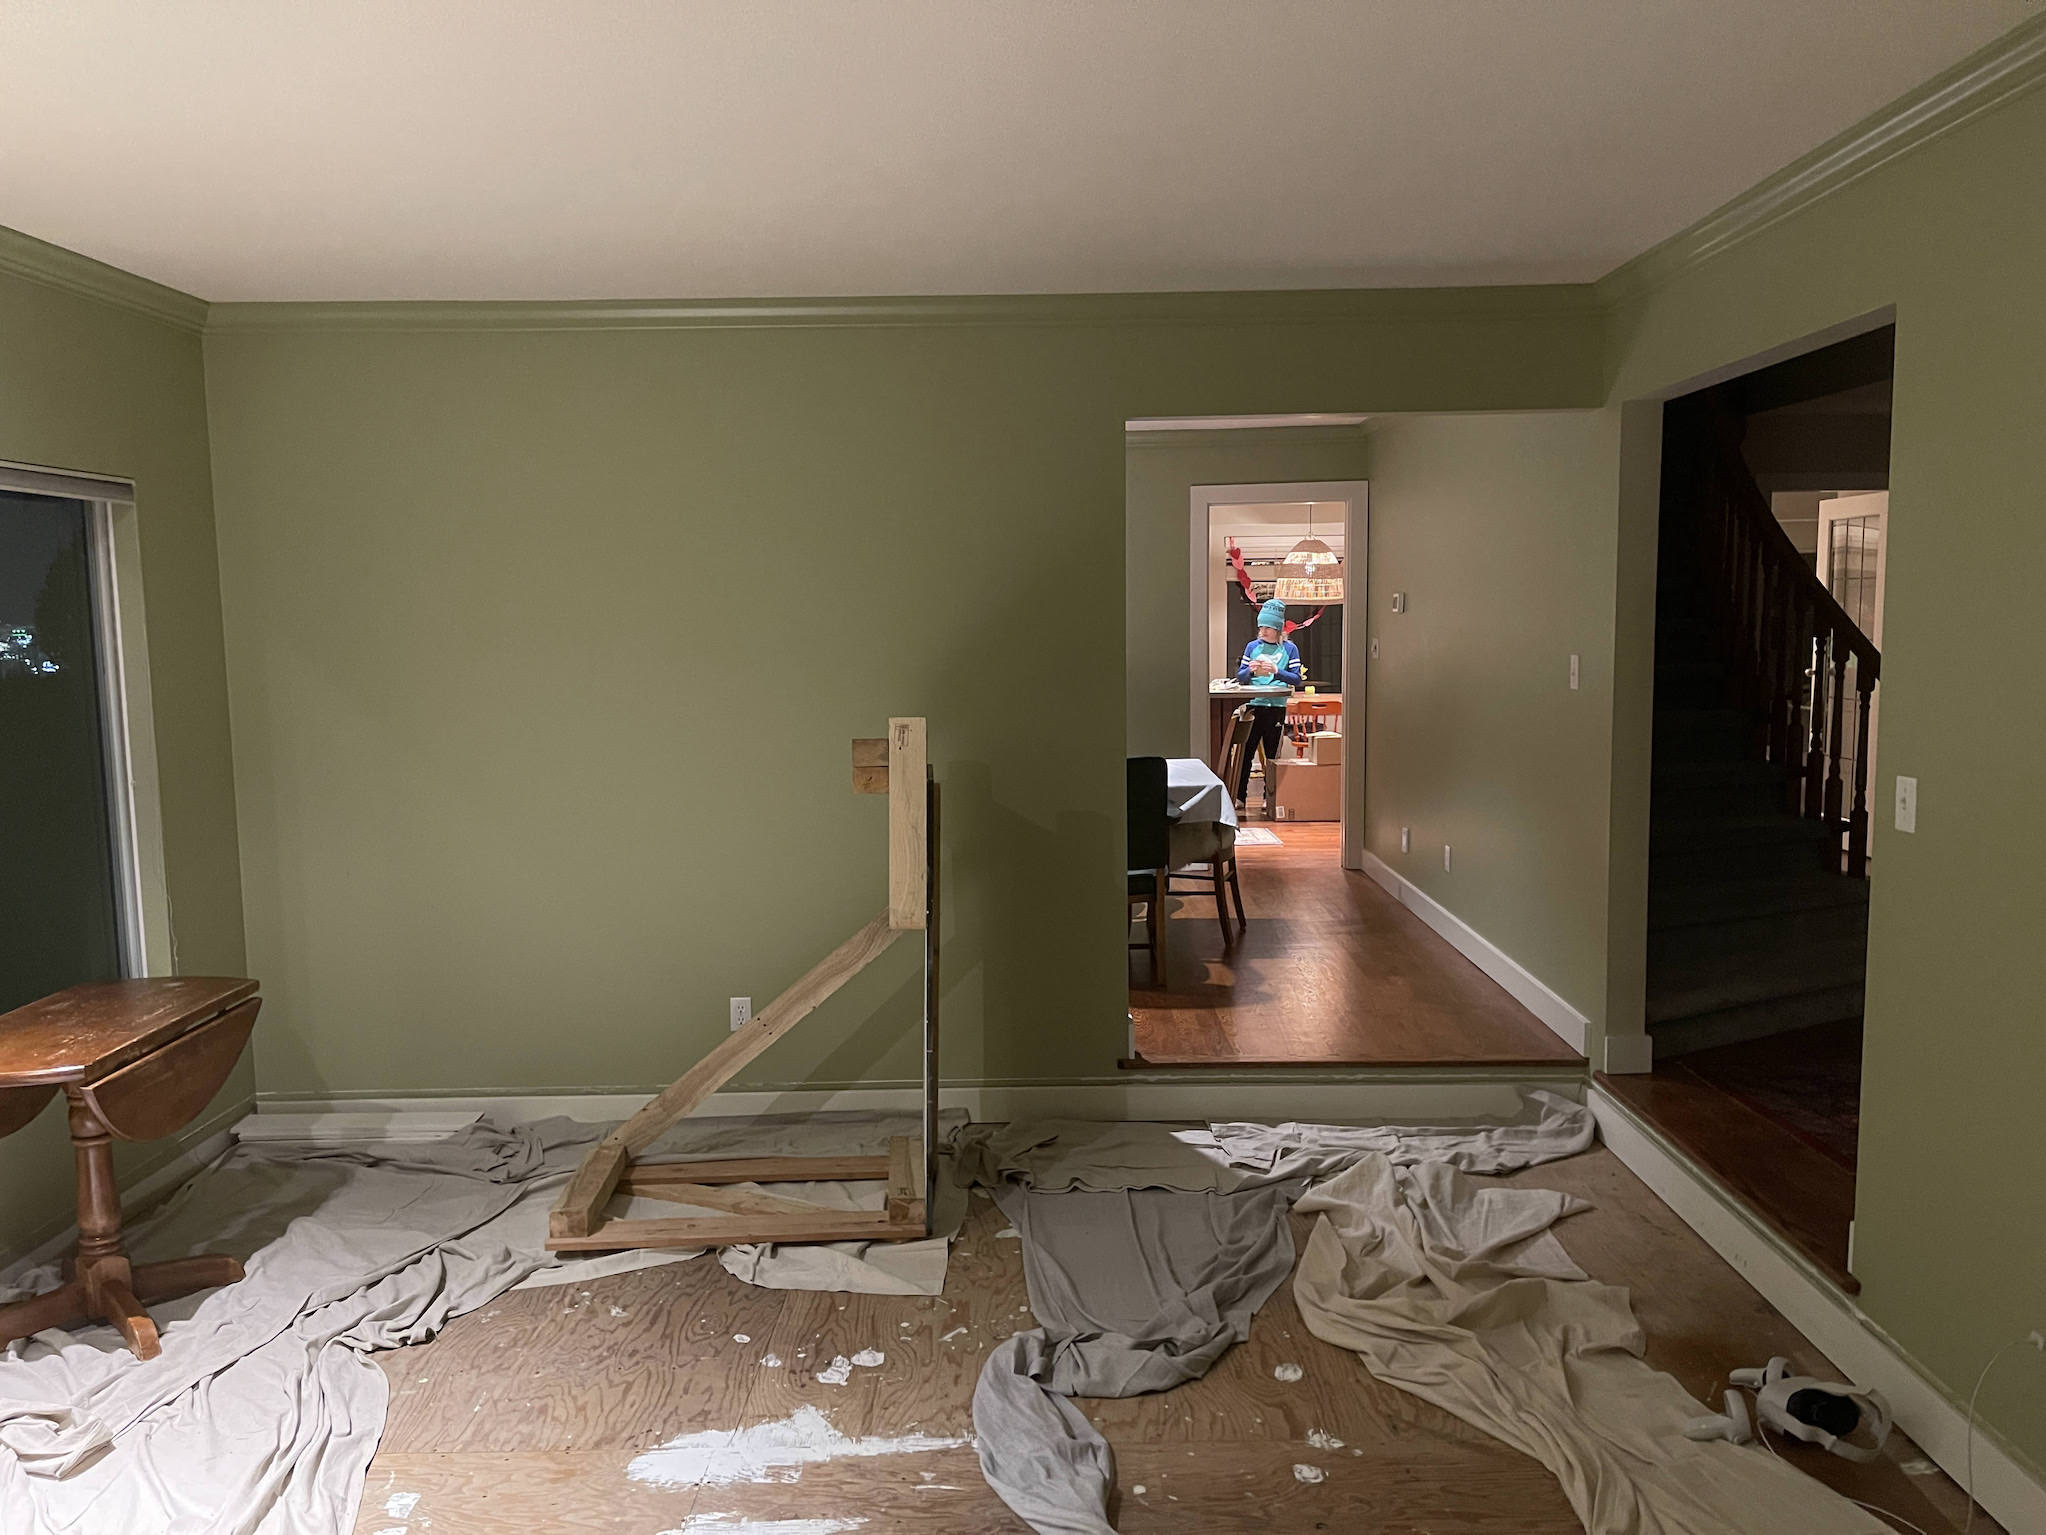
[{"x": 1332, "y": 972}]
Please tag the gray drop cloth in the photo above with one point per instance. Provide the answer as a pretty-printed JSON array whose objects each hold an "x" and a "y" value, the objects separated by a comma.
[
  {"x": 1051, "y": 1155},
  {"x": 1463, "y": 1296},
  {"x": 1136, "y": 1290},
  {"x": 263, "y": 1411}
]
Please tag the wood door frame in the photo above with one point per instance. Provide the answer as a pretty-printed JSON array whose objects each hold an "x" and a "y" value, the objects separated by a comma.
[{"x": 1204, "y": 580}]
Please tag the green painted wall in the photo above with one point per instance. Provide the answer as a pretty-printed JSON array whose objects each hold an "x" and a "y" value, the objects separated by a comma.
[
  {"x": 545, "y": 648},
  {"x": 1950, "y": 1242},
  {"x": 1159, "y": 476},
  {"x": 1500, "y": 531},
  {"x": 97, "y": 387}
]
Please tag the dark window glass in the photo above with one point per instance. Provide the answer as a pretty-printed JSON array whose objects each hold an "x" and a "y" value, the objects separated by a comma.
[{"x": 58, "y": 915}]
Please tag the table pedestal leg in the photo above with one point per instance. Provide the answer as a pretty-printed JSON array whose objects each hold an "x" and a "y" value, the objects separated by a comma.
[{"x": 102, "y": 1285}]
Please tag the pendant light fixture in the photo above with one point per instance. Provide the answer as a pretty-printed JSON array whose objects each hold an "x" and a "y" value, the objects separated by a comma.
[{"x": 1312, "y": 573}]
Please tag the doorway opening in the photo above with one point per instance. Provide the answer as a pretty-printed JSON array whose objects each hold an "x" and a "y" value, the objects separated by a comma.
[
  {"x": 1324, "y": 966},
  {"x": 1763, "y": 839}
]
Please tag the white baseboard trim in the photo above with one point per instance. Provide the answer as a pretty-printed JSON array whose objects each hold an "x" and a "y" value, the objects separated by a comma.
[
  {"x": 1837, "y": 1327},
  {"x": 197, "y": 1146},
  {"x": 1191, "y": 1099},
  {"x": 1563, "y": 1020}
]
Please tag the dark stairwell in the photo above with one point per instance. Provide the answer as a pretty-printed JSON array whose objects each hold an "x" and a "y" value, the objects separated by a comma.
[
  {"x": 1758, "y": 888},
  {"x": 1759, "y": 826}
]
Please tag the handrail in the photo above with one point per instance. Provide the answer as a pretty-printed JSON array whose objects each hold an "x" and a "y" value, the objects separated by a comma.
[
  {"x": 1788, "y": 643},
  {"x": 1751, "y": 504}
]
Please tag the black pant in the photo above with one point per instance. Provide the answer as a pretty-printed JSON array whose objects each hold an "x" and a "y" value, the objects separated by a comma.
[{"x": 1267, "y": 727}]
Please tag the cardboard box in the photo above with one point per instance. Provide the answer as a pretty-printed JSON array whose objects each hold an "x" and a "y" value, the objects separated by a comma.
[
  {"x": 1326, "y": 747},
  {"x": 1309, "y": 791}
]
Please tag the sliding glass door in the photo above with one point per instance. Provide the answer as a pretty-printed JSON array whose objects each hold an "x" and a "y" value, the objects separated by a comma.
[{"x": 60, "y": 880}]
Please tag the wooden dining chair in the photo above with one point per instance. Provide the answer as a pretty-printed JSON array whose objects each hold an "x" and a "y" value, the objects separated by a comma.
[
  {"x": 1235, "y": 741},
  {"x": 1149, "y": 834}
]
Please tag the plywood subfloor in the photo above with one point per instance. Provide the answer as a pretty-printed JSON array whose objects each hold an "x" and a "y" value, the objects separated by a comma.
[
  {"x": 1332, "y": 971},
  {"x": 525, "y": 1416}
]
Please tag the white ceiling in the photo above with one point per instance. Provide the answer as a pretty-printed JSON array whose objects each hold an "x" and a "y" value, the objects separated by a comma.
[{"x": 249, "y": 149}]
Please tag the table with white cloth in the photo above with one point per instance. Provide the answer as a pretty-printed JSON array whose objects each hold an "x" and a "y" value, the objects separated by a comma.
[{"x": 1203, "y": 812}]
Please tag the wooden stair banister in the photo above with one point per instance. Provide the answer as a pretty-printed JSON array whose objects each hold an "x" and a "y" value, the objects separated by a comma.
[{"x": 1785, "y": 638}]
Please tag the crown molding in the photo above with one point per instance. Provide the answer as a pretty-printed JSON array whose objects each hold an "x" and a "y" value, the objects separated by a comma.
[
  {"x": 1318, "y": 306},
  {"x": 1207, "y": 439},
  {"x": 53, "y": 266},
  {"x": 2008, "y": 68}
]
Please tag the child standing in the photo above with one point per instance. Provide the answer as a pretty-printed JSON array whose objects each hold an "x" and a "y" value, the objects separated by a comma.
[{"x": 1268, "y": 661}]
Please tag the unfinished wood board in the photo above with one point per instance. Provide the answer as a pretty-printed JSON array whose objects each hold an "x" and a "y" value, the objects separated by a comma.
[
  {"x": 761, "y": 1170},
  {"x": 721, "y": 1196},
  {"x": 870, "y": 765},
  {"x": 908, "y": 802},
  {"x": 581, "y": 1204},
  {"x": 528, "y": 1414},
  {"x": 809, "y": 1223}
]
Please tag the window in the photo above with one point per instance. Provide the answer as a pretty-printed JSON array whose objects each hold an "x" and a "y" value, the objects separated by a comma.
[{"x": 66, "y": 909}]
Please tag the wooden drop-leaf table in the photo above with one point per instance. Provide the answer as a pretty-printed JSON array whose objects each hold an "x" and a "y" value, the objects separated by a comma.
[{"x": 136, "y": 1061}]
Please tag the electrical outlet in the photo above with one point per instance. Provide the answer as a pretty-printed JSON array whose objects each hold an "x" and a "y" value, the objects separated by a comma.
[
  {"x": 1406, "y": 839},
  {"x": 1445, "y": 858},
  {"x": 1573, "y": 671},
  {"x": 1907, "y": 803},
  {"x": 742, "y": 1012}
]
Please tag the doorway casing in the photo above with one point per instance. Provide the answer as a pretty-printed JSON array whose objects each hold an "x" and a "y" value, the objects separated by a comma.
[{"x": 1204, "y": 580}]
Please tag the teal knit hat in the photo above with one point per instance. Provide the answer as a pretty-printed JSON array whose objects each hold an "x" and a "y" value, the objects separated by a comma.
[{"x": 1272, "y": 616}]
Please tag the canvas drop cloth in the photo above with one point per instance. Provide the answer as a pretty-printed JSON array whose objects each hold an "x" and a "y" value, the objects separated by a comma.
[
  {"x": 1135, "y": 1290},
  {"x": 1147, "y": 1249},
  {"x": 263, "y": 1411},
  {"x": 1057, "y": 1154},
  {"x": 1462, "y": 1295}
]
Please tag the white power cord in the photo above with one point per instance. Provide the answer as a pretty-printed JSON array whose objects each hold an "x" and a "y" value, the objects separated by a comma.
[{"x": 2035, "y": 1340}]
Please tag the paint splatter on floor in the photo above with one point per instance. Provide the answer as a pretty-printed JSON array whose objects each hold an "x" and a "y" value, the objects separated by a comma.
[
  {"x": 1010, "y": 1232},
  {"x": 1287, "y": 1373},
  {"x": 954, "y": 1333},
  {"x": 768, "y": 1452},
  {"x": 771, "y": 1362},
  {"x": 836, "y": 1373},
  {"x": 399, "y": 1505},
  {"x": 1322, "y": 1439},
  {"x": 1309, "y": 1474},
  {"x": 869, "y": 1358}
]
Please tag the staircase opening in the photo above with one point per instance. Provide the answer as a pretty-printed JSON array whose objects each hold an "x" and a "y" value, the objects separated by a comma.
[{"x": 1762, "y": 845}]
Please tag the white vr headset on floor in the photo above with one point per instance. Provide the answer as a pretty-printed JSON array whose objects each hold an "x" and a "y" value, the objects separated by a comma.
[{"x": 1819, "y": 1412}]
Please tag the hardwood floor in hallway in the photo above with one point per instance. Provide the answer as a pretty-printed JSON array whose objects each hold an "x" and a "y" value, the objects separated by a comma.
[{"x": 1333, "y": 971}]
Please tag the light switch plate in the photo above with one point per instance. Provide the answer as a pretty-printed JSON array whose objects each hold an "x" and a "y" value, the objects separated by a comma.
[
  {"x": 1406, "y": 839},
  {"x": 1445, "y": 858},
  {"x": 1907, "y": 803},
  {"x": 1399, "y": 602},
  {"x": 1573, "y": 671}
]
